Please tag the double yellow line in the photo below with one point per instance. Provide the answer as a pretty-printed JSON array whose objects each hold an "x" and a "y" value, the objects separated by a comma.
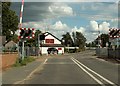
[{"x": 88, "y": 70}]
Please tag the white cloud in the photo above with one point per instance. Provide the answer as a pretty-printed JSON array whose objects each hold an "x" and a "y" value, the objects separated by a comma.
[
  {"x": 91, "y": 36},
  {"x": 46, "y": 26},
  {"x": 74, "y": 29},
  {"x": 59, "y": 26},
  {"x": 40, "y": 25},
  {"x": 104, "y": 27},
  {"x": 60, "y": 9},
  {"x": 81, "y": 29},
  {"x": 94, "y": 25},
  {"x": 91, "y": 32}
]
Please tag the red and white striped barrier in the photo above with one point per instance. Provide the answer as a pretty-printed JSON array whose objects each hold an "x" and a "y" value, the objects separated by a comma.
[{"x": 21, "y": 13}]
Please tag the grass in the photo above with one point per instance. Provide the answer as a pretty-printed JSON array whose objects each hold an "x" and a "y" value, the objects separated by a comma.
[
  {"x": 94, "y": 55},
  {"x": 24, "y": 62}
]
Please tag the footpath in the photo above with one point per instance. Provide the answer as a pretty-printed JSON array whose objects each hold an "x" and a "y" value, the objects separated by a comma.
[{"x": 16, "y": 74}]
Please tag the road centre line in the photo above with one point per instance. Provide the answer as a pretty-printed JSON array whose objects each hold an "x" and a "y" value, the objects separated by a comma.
[
  {"x": 108, "y": 81},
  {"x": 98, "y": 81}
]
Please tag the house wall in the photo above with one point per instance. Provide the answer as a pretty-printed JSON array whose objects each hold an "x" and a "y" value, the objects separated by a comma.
[
  {"x": 56, "y": 41},
  {"x": 10, "y": 44},
  {"x": 44, "y": 50},
  {"x": 51, "y": 37}
]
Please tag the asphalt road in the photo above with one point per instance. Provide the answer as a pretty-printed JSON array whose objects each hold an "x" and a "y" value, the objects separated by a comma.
[{"x": 78, "y": 68}]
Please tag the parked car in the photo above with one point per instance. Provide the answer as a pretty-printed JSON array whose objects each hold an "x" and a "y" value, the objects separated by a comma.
[{"x": 52, "y": 51}]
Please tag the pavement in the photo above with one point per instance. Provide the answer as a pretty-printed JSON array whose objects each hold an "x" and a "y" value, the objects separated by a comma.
[{"x": 16, "y": 74}]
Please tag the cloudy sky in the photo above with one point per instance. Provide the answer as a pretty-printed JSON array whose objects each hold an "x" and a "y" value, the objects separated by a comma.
[{"x": 61, "y": 17}]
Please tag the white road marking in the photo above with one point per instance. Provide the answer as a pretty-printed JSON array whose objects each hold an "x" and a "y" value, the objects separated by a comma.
[
  {"x": 45, "y": 61},
  {"x": 22, "y": 81},
  {"x": 108, "y": 81},
  {"x": 98, "y": 81},
  {"x": 60, "y": 63}
]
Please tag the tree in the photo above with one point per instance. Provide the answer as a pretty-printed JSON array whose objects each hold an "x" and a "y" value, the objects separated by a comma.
[
  {"x": 104, "y": 39},
  {"x": 36, "y": 34},
  {"x": 80, "y": 40},
  {"x": 15, "y": 38},
  {"x": 77, "y": 40},
  {"x": 74, "y": 39},
  {"x": 67, "y": 39},
  {"x": 34, "y": 41},
  {"x": 9, "y": 21}
]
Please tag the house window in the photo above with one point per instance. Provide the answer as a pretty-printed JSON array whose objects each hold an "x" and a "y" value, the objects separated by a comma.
[
  {"x": 59, "y": 48},
  {"x": 49, "y": 41}
]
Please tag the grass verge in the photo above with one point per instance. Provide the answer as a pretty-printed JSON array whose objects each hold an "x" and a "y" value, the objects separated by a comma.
[{"x": 24, "y": 62}]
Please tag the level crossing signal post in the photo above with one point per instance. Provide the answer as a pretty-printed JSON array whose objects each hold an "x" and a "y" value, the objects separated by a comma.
[
  {"x": 114, "y": 34},
  {"x": 41, "y": 37},
  {"x": 24, "y": 35}
]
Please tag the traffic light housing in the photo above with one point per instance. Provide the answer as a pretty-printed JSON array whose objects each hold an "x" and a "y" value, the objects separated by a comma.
[
  {"x": 26, "y": 33},
  {"x": 114, "y": 33},
  {"x": 22, "y": 32},
  {"x": 42, "y": 37},
  {"x": 111, "y": 32}
]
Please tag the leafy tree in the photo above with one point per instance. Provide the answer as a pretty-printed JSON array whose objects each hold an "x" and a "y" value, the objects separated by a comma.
[
  {"x": 77, "y": 40},
  {"x": 9, "y": 21},
  {"x": 67, "y": 39},
  {"x": 74, "y": 39},
  {"x": 15, "y": 38},
  {"x": 36, "y": 34},
  {"x": 104, "y": 39},
  {"x": 80, "y": 40}
]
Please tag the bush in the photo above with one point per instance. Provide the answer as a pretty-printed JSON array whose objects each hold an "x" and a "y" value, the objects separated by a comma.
[
  {"x": 81, "y": 49},
  {"x": 24, "y": 62},
  {"x": 17, "y": 64},
  {"x": 71, "y": 50}
]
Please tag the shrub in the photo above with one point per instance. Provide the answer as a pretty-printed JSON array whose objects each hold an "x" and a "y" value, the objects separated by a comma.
[
  {"x": 26, "y": 60},
  {"x": 17, "y": 64}
]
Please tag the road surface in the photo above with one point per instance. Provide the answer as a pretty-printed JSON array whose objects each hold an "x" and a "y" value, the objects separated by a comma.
[{"x": 78, "y": 68}]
